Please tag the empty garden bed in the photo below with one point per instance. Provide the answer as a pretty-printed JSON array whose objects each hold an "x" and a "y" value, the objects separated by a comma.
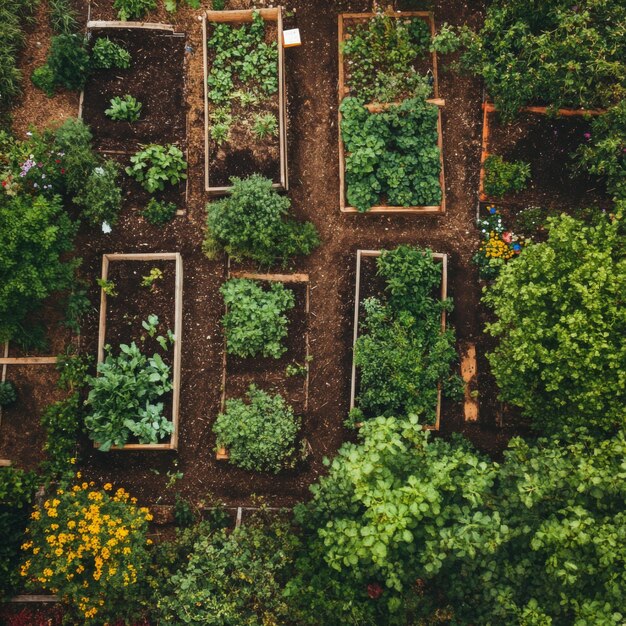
[
  {"x": 244, "y": 98},
  {"x": 122, "y": 317}
]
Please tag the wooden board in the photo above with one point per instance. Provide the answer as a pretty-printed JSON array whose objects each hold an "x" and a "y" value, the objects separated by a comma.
[
  {"x": 242, "y": 17},
  {"x": 376, "y": 107},
  {"x": 469, "y": 374},
  {"x": 178, "y": 329},
  {"x": 360, "y": 254}
]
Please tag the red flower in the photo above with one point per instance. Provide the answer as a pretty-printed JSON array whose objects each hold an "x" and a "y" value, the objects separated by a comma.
[
  {"x": 57, "y": 161},
  {"x": 507, "y": 237},
  {"x": 4, "y": 183},
  {"x": 62, "y": 171},
  {"x": 374, "y": 591}
]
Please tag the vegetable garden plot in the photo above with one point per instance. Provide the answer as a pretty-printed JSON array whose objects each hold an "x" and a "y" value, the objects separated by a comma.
[
  {"x": 546, "y": 145},
  {"x": 373, "y": 137},
  {"x": 142, "y": 292},
  {"x": 271, "y": 374},
  {"x": 245, "y": 103},
  {"x": 156, "y": 78},
  {"x": 368, "y": 285}
]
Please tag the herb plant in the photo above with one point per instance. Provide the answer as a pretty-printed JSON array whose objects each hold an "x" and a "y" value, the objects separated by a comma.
[
  {"x": 504, "y": 177},
  {"x": 100, "y": 199},
  {"x": 260, "y": 435},
  {"x": 133, "y": 9},
  {"x": 68, "y": 62},
  {"x": 265, "y": 125},
  {"x": 107, "y": 55},
  {"x": 392, "y": 155},
  {"x": 8, "y": 395},
  {"x": 63, "y": 18},
  {"x": 159, "y": 212},
  {"x": 155, "y": 166},
  {"x": 126, "y": 109},
  {"x": 256, "y": 321}
]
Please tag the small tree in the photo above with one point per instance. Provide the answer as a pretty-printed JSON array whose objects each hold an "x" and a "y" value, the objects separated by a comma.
[
  {"x": 252, "y": 222},
  {"x": 560, "y": 322}
]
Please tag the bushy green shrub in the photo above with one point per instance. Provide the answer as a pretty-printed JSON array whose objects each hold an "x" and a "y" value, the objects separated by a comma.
[
  {"x": 126, "y": 109},
  {"x": 8, "y": 395},
  {"x": 392, "y": 154},
  {"x": 62, "y": 422},
  {"x": 260, "y": 434},
  {"x": 67, "y": 62},
  {"x": 107, "y": 54},
  {"x": 560, "y": 326},
  {"x": 252, "y": 222},
  {"x": 155, "y": 166},
  {"x": 256, "y": 321},
  {"x": 100, "y": 199},
  {"x": 159, "y": 212},
  {"x": 63, "y": 18},
  {"x": 17, "y": 491},
  {"x": 43, "y": 78},
  {"x": 36, "y": 234},
  {"x": 504, "y": 177},
  {"x": 133, "y": 9},
  {"x": 73, "y": 138}
]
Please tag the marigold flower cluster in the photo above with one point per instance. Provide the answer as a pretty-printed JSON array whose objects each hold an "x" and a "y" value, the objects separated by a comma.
[{"x": 86, "y": 545}]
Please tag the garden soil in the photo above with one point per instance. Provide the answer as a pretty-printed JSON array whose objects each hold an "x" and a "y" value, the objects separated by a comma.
[{"x": 312, "y": 78}]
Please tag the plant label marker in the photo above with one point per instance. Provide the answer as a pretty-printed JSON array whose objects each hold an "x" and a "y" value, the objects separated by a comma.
[{"x": 291, "y": 38}]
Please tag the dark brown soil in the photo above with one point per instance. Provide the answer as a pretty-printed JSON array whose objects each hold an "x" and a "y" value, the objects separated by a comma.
[
  {"x": 547, "y": 144},
  {"x": 243, "y": 153},
  {"x": 156, "y": 78}
]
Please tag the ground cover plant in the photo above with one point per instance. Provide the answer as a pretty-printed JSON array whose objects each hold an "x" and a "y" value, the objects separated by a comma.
[
  {"x": 402, "y": 355},
  {"x": 255, "y": 322},
  {"x": 392, "y": 156},
  {"x": 504, "y": 177},
  {"x": 260, "y": 433},
  {"x": 380, "y": 56}
]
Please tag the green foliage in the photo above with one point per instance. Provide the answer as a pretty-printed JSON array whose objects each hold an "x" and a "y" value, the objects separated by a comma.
[
  {"x": 155, "y": 166},
  {"x": 232, "y": 578},
  {"x": 446, "y": 41},
  {"x": 550, "y": 52},
  {"x": 133, "y": 9},
  {"x": 392, "y": 154},
  {"x": 43, "y": 78},
  {"x": 8, "y": 395},
  {"x": 124, "y": 399},
  {"x": 126, "y": 109},
  {"x": 604, "y": 154},
  {"x": 17, "y": 491},
  {"x": 260, "y": 435},
  {"x": 68, "y": 62},
  {"x": 265, "y": 125},
  {"x": 100, "y": 199},
  {"x": 402, "y": 354},
  {"x": 36, "y": 234},
  {"x": 107, "y": 286},
  {"x": 62, "y": 422},
  {"x": 151, "y": 279},
  {"x": 172, "y": 5},
  {"x": 380, "y": 55},
  {"x": 63, "y": 18},
  {"x": 256, "y": 321},
  {"x": 219, "y": 5},
  {"x": 159, "y": 212},
  {"x": 560, "y": 326},
  {"x": 504, "y": 177},
  {"x": 106, "y": 55},
  {"x": 251, "y": 223}
]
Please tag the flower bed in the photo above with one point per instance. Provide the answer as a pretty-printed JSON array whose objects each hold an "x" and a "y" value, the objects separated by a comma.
[
  {"x": 122, "y": 322},
  {"x": 244, "y": 98},
  {"x": 365, "y": 151}
]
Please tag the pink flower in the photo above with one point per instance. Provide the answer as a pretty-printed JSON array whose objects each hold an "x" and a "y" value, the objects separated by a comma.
[
  {"x": 507, "y": 237},
  {"x": 587, "y": 136}
]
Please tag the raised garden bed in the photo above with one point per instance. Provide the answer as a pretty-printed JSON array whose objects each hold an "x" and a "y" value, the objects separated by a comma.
[
  {"x": 545, "y": 142},
  {"x": 121, "y": 322},
  {"x": 243, "y": 154},
  {"x": 267, "y": 373},
  {"x": 368, "y": 284},
  {"x": 430, "y": 65}
]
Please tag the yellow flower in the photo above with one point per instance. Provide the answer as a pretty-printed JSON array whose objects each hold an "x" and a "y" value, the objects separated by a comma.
[
  {"x": 108, "y": 486},
  {"x": 48, "y": 572},
  {"x": 35, "y": 515}
]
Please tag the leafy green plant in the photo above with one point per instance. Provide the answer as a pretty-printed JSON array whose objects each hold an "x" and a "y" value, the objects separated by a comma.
[
  {"x": 126, "y": 109},
  {"x": 108, "y": 287},
  {"x": 260, "y": 435},
  {"x": 133, "y": 9},
  {"x": 218, "y": 5},
  {"x": 62, "y": 422},
  {"x": 392, "y": 154},
  {"x": 380, "y": 57},
  {"x": 124, "y": 399},
  {"x": 155, "y": 166},
  {"x": 8, "y": 395},
  {"x": 255, "y": 323},
  {"x": 561, "y": 370},
  {"x": 107, "y": 54},
  {"x": 504, "y": 177},
  {"x": 265, "y": 125},
  {"x": 150, "y": 280},
  {"x": 172, "y": 5},
  {"x": 252, "y": 223},
  {"x": 63, "y": 18},
  {"x": 159, "y": 212},
  {"x": 446, "y": 41},
  {"x": 100, "y": 199},
  {"x": 43, "y": 78},
  {"x": 68, "y": 63}
]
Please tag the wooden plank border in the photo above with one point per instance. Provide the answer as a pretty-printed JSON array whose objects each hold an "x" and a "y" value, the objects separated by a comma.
[
  {"x": 375, "y": 107},
  {"x": 490, "y": 107},
  {"x": 360, "y": 254},
  {"x": 241, "y": 17},
  {"x": 222, "y": 453},
  {"x": 178, "y": 330}
]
